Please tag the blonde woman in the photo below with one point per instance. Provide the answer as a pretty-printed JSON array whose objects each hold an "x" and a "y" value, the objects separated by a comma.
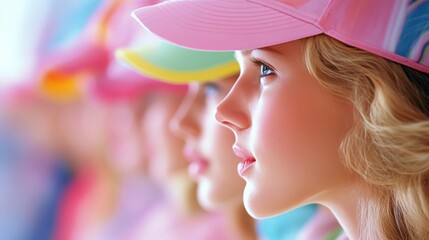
[{"x": 332, "y": 96}]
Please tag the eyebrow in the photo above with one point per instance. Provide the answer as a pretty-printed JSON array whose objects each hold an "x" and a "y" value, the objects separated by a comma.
[{"x": 269, "y": 49}]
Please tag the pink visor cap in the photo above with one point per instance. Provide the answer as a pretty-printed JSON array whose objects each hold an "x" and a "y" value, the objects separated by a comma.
[
  {"x": 394, "y": 29},
  {"x": 119, "y": 82}
]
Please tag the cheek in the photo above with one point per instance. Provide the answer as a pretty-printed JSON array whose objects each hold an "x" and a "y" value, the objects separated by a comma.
[
  {"x": 224, "y": 160},
  {"x": 216, "y": 141},
  {"x": 164, "y": 149},
  {"x": 303, "y": 128},
  {"x": 217, "y": 144},
  {"x": 296, "y": 137},
  {"x": 222, "y": 183},
  {"x": 285, "y": 131}
]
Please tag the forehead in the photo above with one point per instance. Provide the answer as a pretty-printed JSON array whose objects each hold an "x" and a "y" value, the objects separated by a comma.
[
  {"x": 277, "y": 49},
  {"x": 241, "y": 56}
]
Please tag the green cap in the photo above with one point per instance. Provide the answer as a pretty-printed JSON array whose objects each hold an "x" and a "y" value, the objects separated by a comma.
[{"x": 170, "y": 63}]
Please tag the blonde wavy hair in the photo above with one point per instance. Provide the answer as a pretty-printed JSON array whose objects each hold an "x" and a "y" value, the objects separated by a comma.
[{"x": 389, "y": 143}]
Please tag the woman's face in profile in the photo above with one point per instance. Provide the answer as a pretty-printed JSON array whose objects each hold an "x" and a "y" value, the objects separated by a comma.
[
  {"x": 288, "y": 131},
  {"x": 209, "y": 145}
]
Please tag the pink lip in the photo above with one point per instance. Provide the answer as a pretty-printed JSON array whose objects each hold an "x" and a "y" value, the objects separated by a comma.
[
  {"x": 247, "y": 160},
  {"x": 197, "y": 166}
]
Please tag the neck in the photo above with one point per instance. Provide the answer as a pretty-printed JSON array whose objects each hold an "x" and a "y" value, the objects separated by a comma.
[
  {"x": 345, "y": 205},
  {"x": 323, "y": 223},
  {"x": 181, "y": 191},
  {"x": 241, "y": 222}
]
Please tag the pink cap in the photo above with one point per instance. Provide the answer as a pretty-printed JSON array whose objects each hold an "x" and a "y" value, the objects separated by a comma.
[
  {"x": 83, "y": 55},
  {"x": 394, "y": 29},
  {"x": 120, "y": 82}
]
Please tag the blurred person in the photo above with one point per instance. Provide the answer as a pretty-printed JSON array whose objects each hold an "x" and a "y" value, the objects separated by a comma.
[
  {"x": 108, "y": 192},
  {"x": 76, "y": 125},
  {"x": 92, "y": 196},
  {"x": 91, "y": 209},
  {"x": 219, "y": 188},
  {"x": 122, "y": 92},
  {"x": 81, "y": 123},
  {"x": 178, "y": 215},
  {"x": 71, "y": 128},
  {"x": 51, "y": 116}
]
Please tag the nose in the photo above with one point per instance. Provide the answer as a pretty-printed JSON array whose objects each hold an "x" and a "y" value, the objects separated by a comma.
[
  {"x": 233, "y": 111},
  {"x": 185, "y": 121}
]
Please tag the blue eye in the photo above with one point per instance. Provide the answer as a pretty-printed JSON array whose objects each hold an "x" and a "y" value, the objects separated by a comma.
[
  {"x": 210, "y": 89},
  {"x": 266, "y": 70}
]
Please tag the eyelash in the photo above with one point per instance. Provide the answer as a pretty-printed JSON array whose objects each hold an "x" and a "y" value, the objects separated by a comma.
[{"x": 262, "y": 64}]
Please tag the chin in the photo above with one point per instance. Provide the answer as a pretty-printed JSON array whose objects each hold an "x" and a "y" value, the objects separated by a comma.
[
  {"x": 204, "y": 195},
  {"x": 207, "y": 203},
  {"x": 253, "y": 209},
  {"x": 211, "y": 200},
  {"x": 258, "y": 205}
]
